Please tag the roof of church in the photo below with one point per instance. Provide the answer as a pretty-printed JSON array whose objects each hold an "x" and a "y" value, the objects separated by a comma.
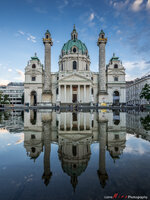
[
  {"x": 80, "y": 45},
  {"x": 35, "y": 57},
  {"x": 67, "y": 48},
  {"x": 114, "y": 57}
]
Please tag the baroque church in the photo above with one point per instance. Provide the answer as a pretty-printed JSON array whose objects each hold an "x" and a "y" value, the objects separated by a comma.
[{"x": 74, "y": 82}]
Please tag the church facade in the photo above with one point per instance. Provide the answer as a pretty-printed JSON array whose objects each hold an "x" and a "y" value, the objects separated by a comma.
[{"x": 74, "y": 82}]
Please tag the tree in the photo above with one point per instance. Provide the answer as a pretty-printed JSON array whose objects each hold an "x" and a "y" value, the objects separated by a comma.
[
  {"x": 146, "y": 122},
  {"x": 5, "y": 99},
  {"x": 1, "y": 97},
  {"x": 145, "y": 92}
]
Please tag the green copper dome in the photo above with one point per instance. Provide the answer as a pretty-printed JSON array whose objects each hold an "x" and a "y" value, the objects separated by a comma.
[
  {"x": 74, "y": 42},
  {"x": 77, "y": 43}
]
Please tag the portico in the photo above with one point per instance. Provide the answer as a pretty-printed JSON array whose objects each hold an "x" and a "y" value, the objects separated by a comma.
[{"x": 73, "y": 93}]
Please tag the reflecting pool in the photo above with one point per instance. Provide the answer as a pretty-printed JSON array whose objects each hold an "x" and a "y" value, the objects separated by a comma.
[{"x": 81, "y": 155}]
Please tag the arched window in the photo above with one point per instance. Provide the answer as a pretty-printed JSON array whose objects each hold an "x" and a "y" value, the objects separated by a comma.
[
  {"x": 57, "y": 91},
  {"x": 33, "y": 66},
  {"x": 91, "y": 90},
  {"x": 115, "y": 66},
  {"x": 74, "y": 50},
  {"x": 62, "y": 67},
  {"x": 92, "y": 123},
  {"x": 33, "y": 149},
  {"x": 46, "y": 36},
  {"x": 74, "y": 65},
  {"x": 116, "y": 149},
  {"x": 102, "y": 36},
  {"x": 116, "y": 98},
  {"x": 74, "y": 150},
  {"x": 33, "y": 115}
]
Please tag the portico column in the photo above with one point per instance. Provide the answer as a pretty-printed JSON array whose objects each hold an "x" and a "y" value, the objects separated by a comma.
[
  {"x": 84, "y": 93},
  {"x": 59, "y": 92},
  {"x": 84, "y": 121},
  {"x": 65, "y": 121},
  {"x": 78, "y": 121},
  {"x": 71, "y": 122},
  {"x": 79, "y": 93},
  {"x": 71, "y": 93},
  {"x": 90, "y": 93},
  {"x": 65, "y": 93}
]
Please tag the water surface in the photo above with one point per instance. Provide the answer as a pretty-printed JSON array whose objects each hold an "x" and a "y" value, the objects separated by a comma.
[{"x": 87, "y": 155}]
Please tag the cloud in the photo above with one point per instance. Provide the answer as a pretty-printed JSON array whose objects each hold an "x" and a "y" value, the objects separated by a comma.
[
  {"x": 21, "y": 76},
  {"x": 31, "y": 38},
  {"x": 40, "y": 10},
  {"x": 21, "y": 32},
  {"x": 119, "y": 5},
  {"x": 136, "y": 6},
  {"x": 136, "y": 69},
  {"x": 62, "y": 5},
  {"x": 148, "y": 4},
  {"x": 91, "y": 17},
  {"x": 76, "y": 3},
  {"x": 9, "y": 70},
  {"x": 140, "y": 65},
  {"x": 130, "y": 77},
  {"x": 28, "y": 36},
  {"x": 87, "y": 18},
  {"x": 147, "y": 62},
  {"x": 21, "y": 135},
  {"x": 4, "y": 82},
  {"x": 118, "y": 32}
]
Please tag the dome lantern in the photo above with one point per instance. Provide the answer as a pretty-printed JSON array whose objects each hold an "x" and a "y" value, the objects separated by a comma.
[{"x": 74, "y": 34}]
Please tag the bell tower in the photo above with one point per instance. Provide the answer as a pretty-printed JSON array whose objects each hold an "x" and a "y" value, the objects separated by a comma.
[{"x": 101, "y": 43}]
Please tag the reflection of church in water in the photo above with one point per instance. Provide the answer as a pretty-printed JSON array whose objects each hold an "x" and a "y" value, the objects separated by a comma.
[{"x": 74, "y": 133}]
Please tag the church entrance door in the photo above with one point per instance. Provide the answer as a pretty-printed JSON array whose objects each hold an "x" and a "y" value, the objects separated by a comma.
[
  {"x": 74, "y": 97},
  {"x": 116, "y": 98}
]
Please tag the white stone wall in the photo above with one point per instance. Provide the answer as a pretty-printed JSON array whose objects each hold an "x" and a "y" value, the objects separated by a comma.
[
  {"x": 67, "y": 61},
  {"x": 133, "y": 90},
  {"x": 113, "y": 85},
  {"x": 37, "y": 85}
]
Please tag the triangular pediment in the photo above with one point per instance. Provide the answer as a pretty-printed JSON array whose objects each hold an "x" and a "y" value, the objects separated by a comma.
[{"x": 75, "y": 78}]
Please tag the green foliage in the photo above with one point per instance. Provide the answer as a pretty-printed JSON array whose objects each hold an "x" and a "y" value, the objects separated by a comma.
[
  {"x": 146, "y": 122},
  {"x": 145, "y": 93},
  {"x": 1, "y": 95},
  {"x": 4, "y": 98}
]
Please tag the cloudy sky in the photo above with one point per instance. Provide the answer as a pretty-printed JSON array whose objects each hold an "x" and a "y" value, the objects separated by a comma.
[{"x": 23, "y": 23}]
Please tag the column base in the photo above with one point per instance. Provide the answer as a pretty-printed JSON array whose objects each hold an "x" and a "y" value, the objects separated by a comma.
[
  {"x": 46, "y": 98},
  {"x": 47, "y": 92},
  {"x": 102, "y": 93}
]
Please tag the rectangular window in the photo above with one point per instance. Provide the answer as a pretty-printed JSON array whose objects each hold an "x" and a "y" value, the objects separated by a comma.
[
  {"x": 116, "y": 137},
  {"x": 33, "y": 78},
  {"x": 115, "y": 78}
]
